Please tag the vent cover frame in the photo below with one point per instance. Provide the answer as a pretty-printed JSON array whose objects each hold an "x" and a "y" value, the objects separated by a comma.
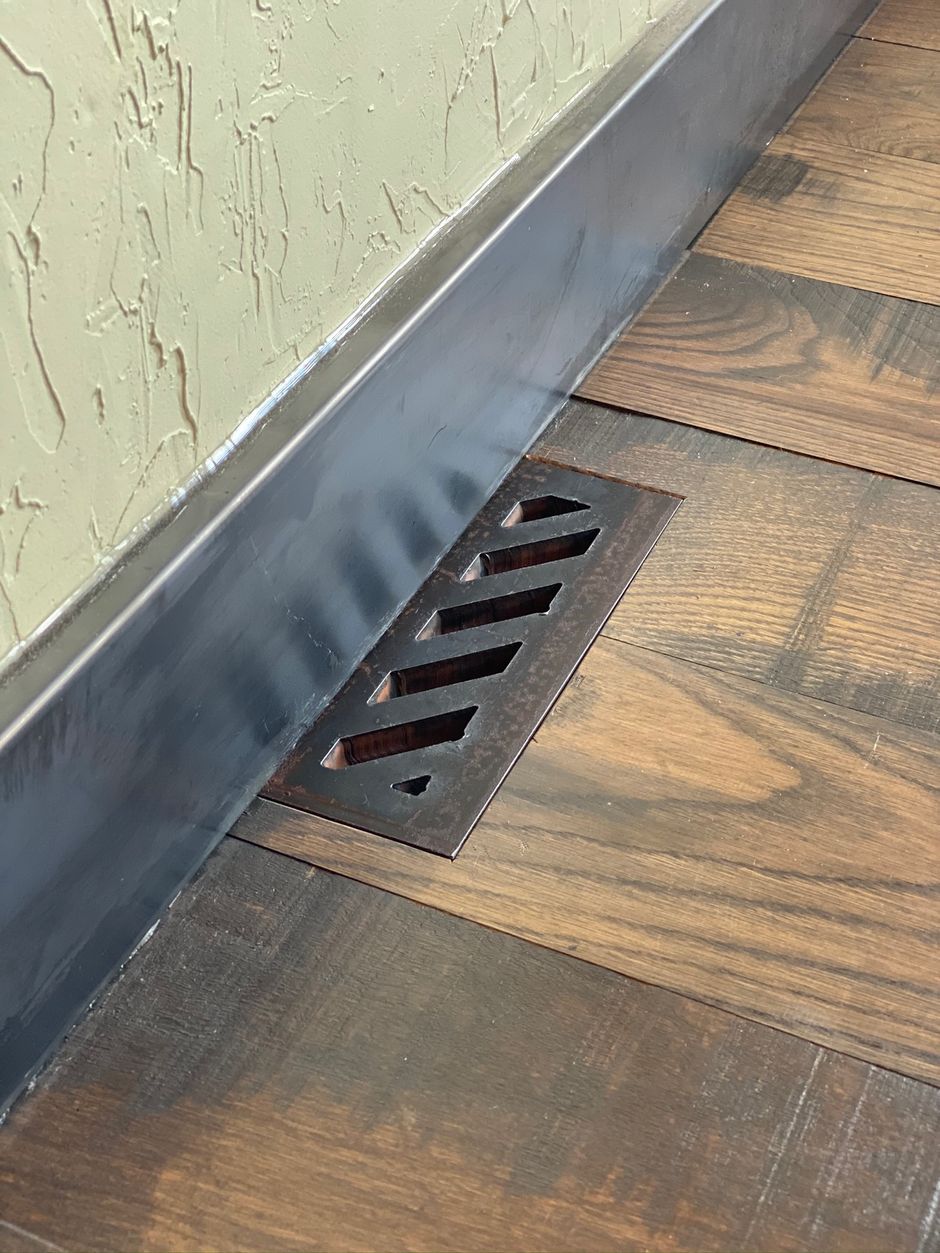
[{"x": 367, "y": 760}]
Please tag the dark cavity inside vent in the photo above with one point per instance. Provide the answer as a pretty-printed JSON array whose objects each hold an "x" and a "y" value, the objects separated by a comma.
[
  {"x": 542, "y": 507},
  {"x": 445, "y": 673},
  {"x": 404, "y": 738},
  {"x": 424, "y": 732},
  {"x": 486, "y": 612},
  {"x": 522, "y": 556},
  {"x": 414, "y": 787}
]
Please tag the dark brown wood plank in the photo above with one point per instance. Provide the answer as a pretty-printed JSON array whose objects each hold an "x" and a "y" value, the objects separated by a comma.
[
  {"x": 866, "y": 220},
  {"x": 813, "y": 367},
  {"x": 813, "y": 577},
  {"x": 768, "y": 853},
  {"x": 878, "y": 97},
  {"x": 912, "y": 22},
  {"x": 296, "y": 1061}
]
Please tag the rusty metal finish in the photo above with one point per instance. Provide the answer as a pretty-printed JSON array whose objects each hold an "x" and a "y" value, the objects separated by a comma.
[{"x": 427, "y": 728}]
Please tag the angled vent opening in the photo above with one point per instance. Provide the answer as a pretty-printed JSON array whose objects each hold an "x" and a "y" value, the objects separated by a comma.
[
  {"x": 435, "y": 674},
  {"x": 353, "y": 750},
  {"x": 485, "y": 612},
  {"x": 413, "y": 787},
  {"x": 523, "y": 556},
  {"x": 542, "y": 507}
]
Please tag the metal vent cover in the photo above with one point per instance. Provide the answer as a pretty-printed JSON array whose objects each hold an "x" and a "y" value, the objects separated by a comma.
[{"x": 429, "y": 725}]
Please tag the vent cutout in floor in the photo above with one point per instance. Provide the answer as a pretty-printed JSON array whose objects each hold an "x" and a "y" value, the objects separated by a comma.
[
  {"x": 541, "y": 507},
  {"x": 404, "y": 738},
  {"x": 475, "y": 661},
  {"x": 489, "y": 611},
  {"x": 522, "y": 556},
  {"x": 445, "y": 673},
  {"x": 414, "y": 787}
]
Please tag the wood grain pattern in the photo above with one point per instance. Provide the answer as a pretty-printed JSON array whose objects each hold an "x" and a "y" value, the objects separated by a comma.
[
  {"x": 813, "y": 367},
  {"x": 770, "y": 854},
  {"x": 866, "y": 220},
  {"x": 912, "y": 22},
  {"x": 296, "y": 1061},
  {"x": 878, "y": 97},
  {"x": 813, "y": 577}
]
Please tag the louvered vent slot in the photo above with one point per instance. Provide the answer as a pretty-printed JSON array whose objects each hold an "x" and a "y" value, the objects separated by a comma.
[
  {"x": 523, "y": 556},
  {"x": 413, "y": 787},
  {"x": 464, "y": 669},
  {"x": 404, "y": 738},
  {"x": 469, "y": 702},
  {"x": 542, "y": 507},
  {"x": 489, "y": 611}
]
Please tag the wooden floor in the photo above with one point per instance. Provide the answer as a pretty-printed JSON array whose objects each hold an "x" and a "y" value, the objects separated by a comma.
[
  {"x": 702, "y": 1010},
  {"x": 911, "y": 23},
  {"x": 297, "y": 1061},
  {"x": 814, "y": 367}
]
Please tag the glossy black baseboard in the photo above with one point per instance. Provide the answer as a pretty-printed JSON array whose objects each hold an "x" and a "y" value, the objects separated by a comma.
[{"x": 136, "y": 735}]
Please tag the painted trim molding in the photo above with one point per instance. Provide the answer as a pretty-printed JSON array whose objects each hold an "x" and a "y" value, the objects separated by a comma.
[{"x": 136, "y": 734}]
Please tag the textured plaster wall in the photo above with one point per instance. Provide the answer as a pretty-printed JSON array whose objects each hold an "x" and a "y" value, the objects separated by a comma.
[{"x": 194, "y": 194}]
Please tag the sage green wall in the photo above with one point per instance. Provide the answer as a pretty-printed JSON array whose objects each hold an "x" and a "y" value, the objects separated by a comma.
[{"x": 195, "y": 194}]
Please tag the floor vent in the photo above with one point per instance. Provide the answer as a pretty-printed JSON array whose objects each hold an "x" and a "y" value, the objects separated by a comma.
[{"x": 424, "y": 732}]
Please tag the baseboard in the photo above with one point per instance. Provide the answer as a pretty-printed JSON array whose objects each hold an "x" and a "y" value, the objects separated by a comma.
[{"x": 138, "y": 732}]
